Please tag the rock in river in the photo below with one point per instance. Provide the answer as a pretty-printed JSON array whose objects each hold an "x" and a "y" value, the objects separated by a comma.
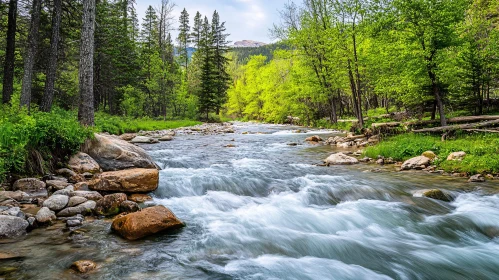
[
  {"x": 83, "y": 163},
  {"x": 340, "y": 159},
  {"x": 434, "y": 194},
  {"x": 112, "y": 153},
  {"x": 84, "y": 208},
  {"x": 84, "y": 266},
  {"x": 11, "y": 226},
  {"x": 136, "y": 180},
  {"x": 146, "y": 222},
  {"x": 415, "y": 163},
  {"x": 144, "y": 140},
  {"x": 45, "y": 215},
  {"x": 110, "y": 204},
  {"x": 56, "y": 202},
  {"x": 90, "y": 195}
]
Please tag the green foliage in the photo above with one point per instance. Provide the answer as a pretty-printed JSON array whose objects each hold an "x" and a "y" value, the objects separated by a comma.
[
  {"x": 52, "y": 136},
  {"x": 482, "y": 151}
]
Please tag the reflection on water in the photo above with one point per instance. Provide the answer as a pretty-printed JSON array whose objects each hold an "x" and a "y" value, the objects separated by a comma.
[{"x": 264, "y": 210}]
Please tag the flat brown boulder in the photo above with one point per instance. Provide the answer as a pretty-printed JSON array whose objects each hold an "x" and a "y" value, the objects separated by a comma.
[
  {"x": 83, "y": 163},
  {"x": 146, "y": 222},
  {"x": 136, "y": 180},
  {"x": 112, "y": 153}
]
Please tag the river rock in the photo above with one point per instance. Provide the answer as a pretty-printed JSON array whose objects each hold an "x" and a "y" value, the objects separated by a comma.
[
  {"x": 45, "y": 215},
  {"x": 30, "y": 186},
  {"x": 84, "y": 208},
  {"x": 17, "y": 195},
  {"x": 84, "y": 266},
  {"x": 415, "y": 163},
  {"x": 69, "y": 174},
  {"x": 139, "y": 198},
  {"x": 110, "y": 204},
  {"x": 76, "y": 200},
  {"x": 146, "y": 222},
  {"x": 113, "y": 153},
  {"x": 136, "y": 180},
  {"x": 429, "y": 154},
  {"x": 83, "y": 163},
  {"x": 13, "y": 211},
  {"x": 128, "y": 136},
  {"x": 144, "y": 140},
  {"x": 456, "y": 156},
  {"x": 478, "y": 178},
  {"x": 11, "y": 226},
  {"x": 90, "y": 195},
  {"x": 314, "y": 138},
  {"x": 340, "y": 159},
  {"x": 56, "y": 202},
  {"x": 166, "y": 138},
  {"x": 74, "y": 223},
  {"x": 62, "y": 192},
  {"x": 434, "y": 194},
  {"x": 129, "y": 207}
]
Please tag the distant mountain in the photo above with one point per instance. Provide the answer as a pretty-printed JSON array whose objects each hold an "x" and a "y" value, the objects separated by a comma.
[{"x": 248, "y": 44}]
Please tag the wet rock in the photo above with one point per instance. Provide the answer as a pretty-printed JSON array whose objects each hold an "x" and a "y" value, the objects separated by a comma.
[
  {"x": 83, "y": 163},
  {"x": 110, "y": 204},
  {"x": 136, "y": 180},
  {"x": 90, "y": 195},
  {"x": 365, "y": 159},
  {"x": 129, "y": 207},
  {"x": 11, "y": 226},
  {"x": 434, "y": 194},
  {"x": 456, "y": 156},
  {"x": 230, "y": 146},
  {"x": 84, "y": 266},
  {"x": 478, "y": 178},
  {"x": 8, "y": 202},
  {"x": 7, "y": 255},
  {"x": 69, "y": 174},
  {"x": 76, "y": 200},
  {"x": 420, "y": 162},
  {"x": 32, "y": 222},
  {"x": 13, "y": 211},
  {"x": 345, "y": 145},
  {"x": 144, "y": 140},
  {"x": 62, "y": 192},
  {"x": 146, "y": 222},
  {"x": 314, "y": 138},
  {"x": 74, "y": 223},
  {"x": 429, "y": 154},
  {"x": 128, "y": 136},
  {"x": 166, "y": 138},
  {"x": 17, "y": 195},
  {"x": 380, "y": 161},
  {"x": 56, "y": 202},
  {"x": 84, "y": 208},
  {"x": 340, "y": 159},
  {"x": 81, "y": 186},
  {"x": 139, "y": 198},
  {"x": 45, "y": 215},
  {"x": 30, "y": 186},
  {"x": 112, "y": 153},
  {"x": 292, "y": 144}
]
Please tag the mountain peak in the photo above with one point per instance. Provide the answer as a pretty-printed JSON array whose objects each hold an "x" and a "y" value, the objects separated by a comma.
[{"x": 248, "y": 44}]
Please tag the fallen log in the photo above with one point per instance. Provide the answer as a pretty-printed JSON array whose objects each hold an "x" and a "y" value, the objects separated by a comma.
[
  {"x": 458, "y": 127},
  {"x": 425, "y": 122},
  {"x": 482, "y": 130}
]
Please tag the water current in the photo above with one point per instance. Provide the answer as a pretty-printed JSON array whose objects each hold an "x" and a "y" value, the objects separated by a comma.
[{"x": 264, "y": 210}]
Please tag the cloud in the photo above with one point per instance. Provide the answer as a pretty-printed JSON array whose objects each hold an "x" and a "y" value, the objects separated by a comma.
[{"x": 245, "y": 19}]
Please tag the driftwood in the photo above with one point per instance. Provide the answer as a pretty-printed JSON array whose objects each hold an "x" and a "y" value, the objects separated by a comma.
[{"x": 458, "y": 127}]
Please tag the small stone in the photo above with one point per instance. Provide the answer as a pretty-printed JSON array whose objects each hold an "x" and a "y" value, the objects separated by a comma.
[
  {"x": 30, "y": 186},
  {"x": 129, "y": 207},
  {"x": 76, "y": 200},
  {"x": 32, "y": 222},
  {"x": 56, "y": 202},
  {"x": 314, "y": 138},
  {"x": 166, "y": 138},
  {"x": 292, "y": 144},
  {"x": 110, "y": 204},
  {"x": 144, "y": 140},
  {"x": 456, "y": 156},
  {"x": 11, "y": 226},
  {"x": 420, "y": 162},
  {"x": 74, "y": 223},
  {"x": 62, "y": 192},
  {"x": 82, "y": 163},
  {"x": 84, "y": 208},
  {"x": 380, "y": 161},
  {"x": 45, "y": 215},
  {"x": 55, "y": 185},
  {"x": 340, "y": 159},
  {"x": 139, "y": 198},
  {"x": 90, "y": 195},
  {"x": 84, "y": 266},
  {"x": 478, "y": 178},
  {"x": 72, "y": 176},
  {"x": 434, "y": 194}
]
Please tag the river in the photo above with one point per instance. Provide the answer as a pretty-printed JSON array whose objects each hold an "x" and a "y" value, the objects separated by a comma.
[{"x": 264, "y": 210}]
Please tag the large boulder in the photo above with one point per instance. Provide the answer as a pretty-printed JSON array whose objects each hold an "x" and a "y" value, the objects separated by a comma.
[
  {"x": 456, "y": 156},
  {"x": 416, "y": 163},
  {"x": 146, "y": 222},
  {"x": 340, "y": 159},
  {"x": 45, "y": 215},
  {"x": 136, "y": 180},
  {"x": 83, "y": 163},
  {"x": 56, "y": 202},
  {"x": 112, "y": 153},
  {"x": 84, "y": 208},
  {"x": 11, "y": 226},
  {"x": 31, "y": 186},
  {"x": 110, "y": 204}
]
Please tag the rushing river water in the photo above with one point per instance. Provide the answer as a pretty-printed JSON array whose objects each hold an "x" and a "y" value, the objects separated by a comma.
[{"x": 263, "y": 210}]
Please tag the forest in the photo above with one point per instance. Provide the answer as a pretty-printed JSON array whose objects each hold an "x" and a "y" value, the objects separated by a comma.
[{"x": 348, "y": 59}]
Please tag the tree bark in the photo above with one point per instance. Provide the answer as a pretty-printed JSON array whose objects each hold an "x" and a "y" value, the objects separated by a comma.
[
  {"x": 8, "y": 70},
  {"x": 86, "y": 65},
  {"x": 31, "y": 53},
  {"x": 48, "y": 95}
]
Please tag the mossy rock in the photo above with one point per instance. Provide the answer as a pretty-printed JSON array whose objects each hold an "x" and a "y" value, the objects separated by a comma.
[
  {"x": 438, "y": 194},
  {"x": 429, "y": 154}
]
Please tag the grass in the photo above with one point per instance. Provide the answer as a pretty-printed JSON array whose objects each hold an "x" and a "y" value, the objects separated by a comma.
[
  {"x": 120, "y": 125},
  {"x": 482, "y": 151}
]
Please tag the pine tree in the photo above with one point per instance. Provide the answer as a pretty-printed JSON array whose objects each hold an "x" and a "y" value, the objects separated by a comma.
[
  {"x": 86, "y": 67},
  {"x": 196, "y": 30},
  {"x": 220, "y": 60},
  {"x": 207, "y": 99},
  {"x": 183, "y": 38}
]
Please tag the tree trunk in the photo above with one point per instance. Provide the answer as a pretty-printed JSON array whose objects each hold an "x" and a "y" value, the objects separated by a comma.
[
  {"x": 48, "y": 95},
  {"x": 86, "y": 65},
  {"x": 31, "y": 53},
  {"x": 8, "y": 70}
]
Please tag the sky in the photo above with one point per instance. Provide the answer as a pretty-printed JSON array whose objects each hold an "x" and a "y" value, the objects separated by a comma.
[{"x": 244, "y": 19}]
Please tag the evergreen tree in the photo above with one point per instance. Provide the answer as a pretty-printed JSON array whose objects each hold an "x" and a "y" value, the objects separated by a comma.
[
  {"x": 196, "y": 29},
  {"x": 207, "y": 99},
  {"x": 220, "y": 61},
  {"x": 183, "y": 38}
]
